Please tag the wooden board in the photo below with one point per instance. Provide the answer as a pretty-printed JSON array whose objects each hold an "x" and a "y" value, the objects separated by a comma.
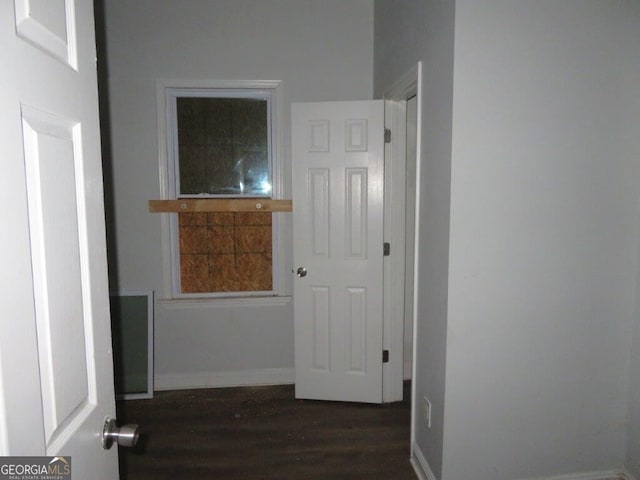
[{"x": 220, "y": 205}]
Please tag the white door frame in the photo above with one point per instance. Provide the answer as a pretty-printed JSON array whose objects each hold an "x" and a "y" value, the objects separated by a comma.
[{"x": 394, "y": 232}]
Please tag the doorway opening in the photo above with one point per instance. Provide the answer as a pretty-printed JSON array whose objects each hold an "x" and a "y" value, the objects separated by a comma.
[{"x": 402, "y": 199}]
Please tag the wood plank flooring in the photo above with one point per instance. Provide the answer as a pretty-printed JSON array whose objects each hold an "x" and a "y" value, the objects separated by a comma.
[{"x": 264, "y": 433}]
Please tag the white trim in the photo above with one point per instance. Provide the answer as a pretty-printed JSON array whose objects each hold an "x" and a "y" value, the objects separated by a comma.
[
  {"x": 424, "y": 472},
  {"x": 216, "y": 295},
  {"x": 240, "y": 378},
  {"x": 209, "y": 83},
  {"x": 4, "y": 430},
  {"x": 420, "y": 464},
  {"x": 598, "y": 475},
  {"x": 163, "y": 159},
  {"x": 204, "y": 303},
  {"x": 408, "y": 369},
  {"x": 169, "y": 262},
  {"x": 394, "y": 227},
  {"x": 414, "y": 394}
]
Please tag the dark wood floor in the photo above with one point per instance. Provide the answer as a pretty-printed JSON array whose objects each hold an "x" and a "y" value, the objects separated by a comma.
[{"x": 264, "y": 433}]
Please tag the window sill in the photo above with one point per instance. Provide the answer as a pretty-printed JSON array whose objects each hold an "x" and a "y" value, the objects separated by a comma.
[{"x": 227, "y": 302}]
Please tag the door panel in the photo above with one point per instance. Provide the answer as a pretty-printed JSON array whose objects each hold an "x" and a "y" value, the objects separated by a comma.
[
  {"x": 49, "y": 147},
  {"x": 50, "y": 26},
  {"x": 337, "y": 216},
  {"x": 56, "y": 374}
]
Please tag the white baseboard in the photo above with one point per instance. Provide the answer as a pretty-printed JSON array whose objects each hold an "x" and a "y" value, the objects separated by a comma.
[
  {"x": 422, "y": 469},
  {"x": 240, "y": 378},
  {"x": 620, "y": 474},
  {"x": 626, "y": 475},
  {"x": 420, "y": 464}
]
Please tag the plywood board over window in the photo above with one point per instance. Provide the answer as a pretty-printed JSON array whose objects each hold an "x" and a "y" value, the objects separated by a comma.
[{"x": 225, "y": 252}]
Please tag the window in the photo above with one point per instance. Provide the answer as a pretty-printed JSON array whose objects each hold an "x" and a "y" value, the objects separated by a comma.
[{"x": 221, "y": 143}]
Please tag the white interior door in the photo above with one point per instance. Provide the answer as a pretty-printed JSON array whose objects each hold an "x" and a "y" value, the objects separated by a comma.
[
  {"x": 56, "y": 378},
  {"x": 338, "y": 172}
]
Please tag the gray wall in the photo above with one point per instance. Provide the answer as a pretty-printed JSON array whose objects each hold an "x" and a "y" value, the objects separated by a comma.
[
  {"x": 632, "y": 70},
  {"x": 633, "y": 424},
  {"x": 538, "y": 299},
  {"x": 320, "y": 50},
  {"x": 544, "y": 237},
  {"x": 407, "y": 32},
  {"x": 633, "y": 432}
]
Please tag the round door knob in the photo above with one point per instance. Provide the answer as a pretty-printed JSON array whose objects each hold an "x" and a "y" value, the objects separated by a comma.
[
  {"x": 302, "y": 272},
  {"x": 125, "y": 436}
]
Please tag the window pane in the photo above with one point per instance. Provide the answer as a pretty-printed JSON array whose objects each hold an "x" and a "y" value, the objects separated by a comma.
[{"x": 223, "y": 146}]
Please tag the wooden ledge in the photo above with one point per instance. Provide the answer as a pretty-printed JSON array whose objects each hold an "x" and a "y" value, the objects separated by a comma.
[{"x": 220, "y": 205}]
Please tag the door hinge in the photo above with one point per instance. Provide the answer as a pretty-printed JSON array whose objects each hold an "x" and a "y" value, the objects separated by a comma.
[
  {"x": 386, "y": 249},
  {"x": 387, "y": 135},
  {"x": 385, "y": 356}
]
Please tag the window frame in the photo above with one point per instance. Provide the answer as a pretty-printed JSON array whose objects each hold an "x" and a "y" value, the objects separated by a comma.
[{"x": 167, "y": 149}]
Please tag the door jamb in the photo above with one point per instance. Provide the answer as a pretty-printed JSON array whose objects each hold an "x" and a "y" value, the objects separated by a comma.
[{"x": 394, "y": 232}]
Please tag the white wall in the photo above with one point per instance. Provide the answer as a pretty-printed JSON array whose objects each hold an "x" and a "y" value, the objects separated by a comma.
[
  {"x": 320, "y": 50},
  {"x": 405, "y": 33},
  {"x": 544, "y": 237}
]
